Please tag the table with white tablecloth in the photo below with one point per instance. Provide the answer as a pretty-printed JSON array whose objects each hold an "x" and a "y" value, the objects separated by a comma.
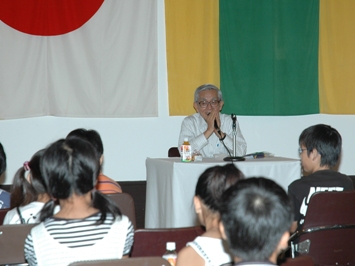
[{"x": 171, "y": 185}]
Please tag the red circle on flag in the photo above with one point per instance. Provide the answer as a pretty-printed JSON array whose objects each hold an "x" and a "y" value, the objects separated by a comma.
[{"x": 47, "y": 17}]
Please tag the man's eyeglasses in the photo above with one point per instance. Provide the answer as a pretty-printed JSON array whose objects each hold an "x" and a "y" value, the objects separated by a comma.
[
  {"x": 204, "y": 104},
  {"x": 300, "y": 150}
]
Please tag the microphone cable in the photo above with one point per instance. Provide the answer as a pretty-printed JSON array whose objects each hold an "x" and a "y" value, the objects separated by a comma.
[{"x": 221, "y": 139}]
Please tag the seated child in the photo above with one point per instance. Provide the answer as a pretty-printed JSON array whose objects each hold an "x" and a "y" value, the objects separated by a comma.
[
  {"x": 104, "y": 184},
  {"x": 320, "y": 148},
  {"x": 28, "y": 193},
  {"x": 89, "y": 225},
  {"x": 210, "y": 249},
  {"x": 256, "y": 216}
]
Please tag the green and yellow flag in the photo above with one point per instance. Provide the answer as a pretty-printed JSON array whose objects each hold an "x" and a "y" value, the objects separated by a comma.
[{"x": 275, "y": 57}]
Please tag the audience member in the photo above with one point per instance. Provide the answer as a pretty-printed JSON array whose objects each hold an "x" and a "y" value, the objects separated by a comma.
[
  {"x": 320, "y": 148},
  {"x": 89, "y": 225},
  {"x": 200, "y": 127},
  {"x": 28, "y": 194},
  {"x": 104, "y": 184},
  {"x": 4, "y": 195},
  {"x": 210, "y": 249},
  {"x": 255, "y": 219}
]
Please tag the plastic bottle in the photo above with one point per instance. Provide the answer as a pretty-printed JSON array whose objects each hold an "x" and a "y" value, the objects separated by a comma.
[
  {"x": 170, "y": 254},
  {"x": 185, "y": 150}
]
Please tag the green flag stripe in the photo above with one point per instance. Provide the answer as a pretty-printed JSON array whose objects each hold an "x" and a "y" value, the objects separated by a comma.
[{"x": 269, "y": 56}]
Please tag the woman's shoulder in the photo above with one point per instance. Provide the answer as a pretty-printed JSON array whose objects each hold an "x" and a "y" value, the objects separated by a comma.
[
  {"x": 124, "y": 221},
  {"x": 89, "y": 220},
  {"x": 189, "y": 256},
  {"x": 34, "y": 205},
  {"x": 29, "y": 213},
  {"x": 207, "y": 239},
  {"x": 10, "y": 216},
  {"x": 122, "y": 218}
]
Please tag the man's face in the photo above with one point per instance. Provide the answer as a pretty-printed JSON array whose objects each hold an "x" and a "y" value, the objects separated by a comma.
[
  {"x": 209, "y": 97},
  {"x": 308, "y": 160},
  {"x": 304, "y": 158}
]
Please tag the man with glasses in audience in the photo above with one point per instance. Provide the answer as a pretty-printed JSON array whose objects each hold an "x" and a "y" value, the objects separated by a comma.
[
  {"x": 208, "y": 128},
  {"x": 320, "y": 149}
]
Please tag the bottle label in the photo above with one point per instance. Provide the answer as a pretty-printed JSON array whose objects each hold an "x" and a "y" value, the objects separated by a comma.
[
  {"x": 171, "y": 259},
  {"x": 186, "y": 153}
]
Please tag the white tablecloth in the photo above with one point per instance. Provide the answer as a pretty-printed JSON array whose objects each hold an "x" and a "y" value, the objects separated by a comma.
[{"x": 171, "y": 185}]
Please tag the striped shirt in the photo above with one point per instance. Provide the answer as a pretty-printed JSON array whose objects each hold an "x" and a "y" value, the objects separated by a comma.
[
  {"x": 107, "y": 186},
  {"x": 77, "y": 233}
]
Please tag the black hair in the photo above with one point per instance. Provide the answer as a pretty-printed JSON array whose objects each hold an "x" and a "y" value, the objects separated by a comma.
[
  {"x": 24, "y": 192},
  {"x": 71, "y": 166},
  {"x": 326, "y": 140},
  {"x": 91, "y": 136},
  {"x": 2, "y": 159},
  {"x": 256, "y": 212},
  {"x": 214, "y": 181}
]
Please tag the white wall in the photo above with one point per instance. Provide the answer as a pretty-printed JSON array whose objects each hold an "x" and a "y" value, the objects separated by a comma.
[{"x": 128, "y": 142}]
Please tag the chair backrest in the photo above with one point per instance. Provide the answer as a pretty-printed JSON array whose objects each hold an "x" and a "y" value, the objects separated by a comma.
[
  {"x": 126, "y": 204},
  {"x": 352, "y": 177},
  {"x": 173, "y": 152},
  {"x": 2, "y": 215},
  {"x": 147, "y": 261},
  {"x": 12, "y": 241},
  {"x": 329, "y": 208},
  {"x": 299, "y": 261},
  {"x": 152, "y": 242},
  {"x": 329, "y": 229}
]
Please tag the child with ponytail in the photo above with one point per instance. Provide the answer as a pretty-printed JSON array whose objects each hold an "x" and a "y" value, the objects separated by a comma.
[
  {"x": 28, "y": 193},
  {"x": 89, "y": 226}
]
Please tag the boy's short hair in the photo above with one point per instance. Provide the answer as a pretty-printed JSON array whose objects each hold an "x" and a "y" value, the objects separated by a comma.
[
  {"x": 2, "y": 159},
  {"x": 256, "y": 212},
  {"x": 326, "y": 140}
]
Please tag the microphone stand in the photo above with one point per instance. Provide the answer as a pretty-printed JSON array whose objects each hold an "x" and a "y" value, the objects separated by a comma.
[{"x": 234, "y": 158}]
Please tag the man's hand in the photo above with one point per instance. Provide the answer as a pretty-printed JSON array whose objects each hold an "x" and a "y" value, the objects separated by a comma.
[
  {"x": 210, "y": 118},
  {"x": 219, "y": 132}
]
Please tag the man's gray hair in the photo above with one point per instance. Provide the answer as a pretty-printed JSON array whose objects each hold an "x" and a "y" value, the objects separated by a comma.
[{"x": 207, "y": 87}]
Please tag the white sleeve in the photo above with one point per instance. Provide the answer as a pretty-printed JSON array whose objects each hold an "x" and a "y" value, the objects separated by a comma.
[
  {"x": 129, "y": 239},
  {"x": 188, "y": 130},
  {"x": 29, "y": 251},
  {"x": 11, "y": 217}
]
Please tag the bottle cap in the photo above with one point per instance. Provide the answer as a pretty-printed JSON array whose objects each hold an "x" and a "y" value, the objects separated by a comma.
[
  {"x": 186, "y": 139},
  {"x": 170, "y": 246}
]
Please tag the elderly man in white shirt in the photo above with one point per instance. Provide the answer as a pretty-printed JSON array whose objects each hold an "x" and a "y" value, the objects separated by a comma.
[{"x": 200, "y": 128}]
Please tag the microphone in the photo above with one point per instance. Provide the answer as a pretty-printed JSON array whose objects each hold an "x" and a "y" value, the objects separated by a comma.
[
  {"x": 234, "y": 118},
  {"x": 234, "y": 157}
]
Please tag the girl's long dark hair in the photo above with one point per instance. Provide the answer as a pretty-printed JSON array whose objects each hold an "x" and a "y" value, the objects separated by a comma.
[
  {"x": 72, "y": 166},
  {"x": 214, "y": 181}
]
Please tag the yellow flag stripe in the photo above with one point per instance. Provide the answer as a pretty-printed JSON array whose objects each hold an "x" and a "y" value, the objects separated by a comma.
[
  {"x": 192, "y": 44},
  {"x": 337, "y": 57}
]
